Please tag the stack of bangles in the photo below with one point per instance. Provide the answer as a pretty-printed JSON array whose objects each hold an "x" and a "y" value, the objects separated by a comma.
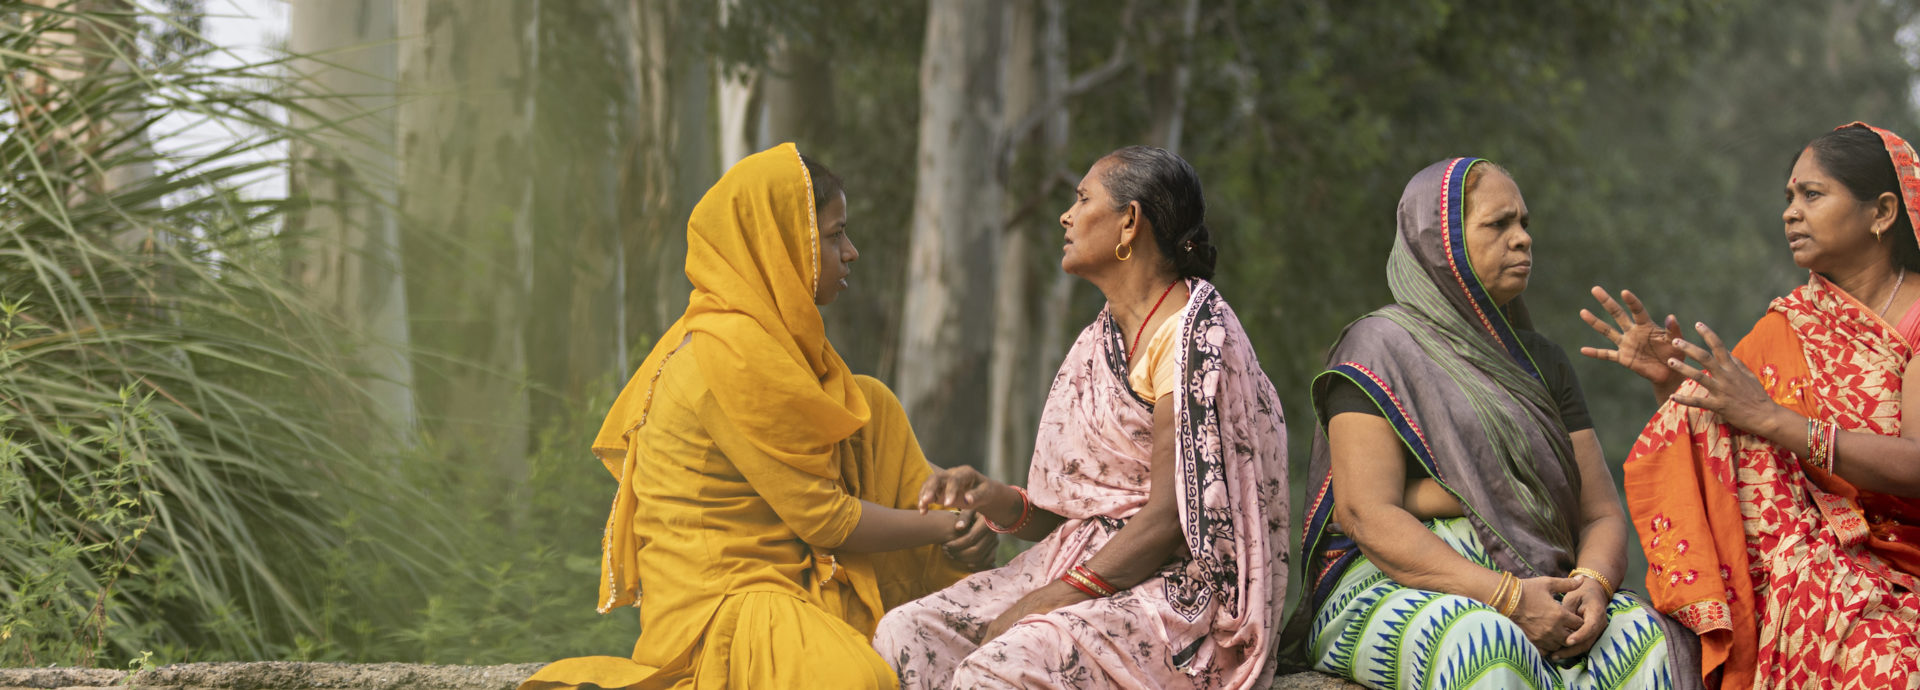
[
  {"x": 1821, "y": 436},
  {"x": 1506, "y": 597},
  {"x": 1083, "y": 578},
  {"x": 1026, "y": 514},
  {"x": 1596, "y": 577}
]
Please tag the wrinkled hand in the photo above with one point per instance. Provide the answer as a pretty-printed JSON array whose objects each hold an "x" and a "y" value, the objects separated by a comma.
[
  {"x": 975, "y": 546},
  {"x": 1589, "y": 602},
  {"x": 959, "y": 488},
  {"x": 1048, "y": 597},
  {"x": 1640, "y": 345},
  {"x": 1732, "y": 391},
  {"x": 1541, "y": 616}
]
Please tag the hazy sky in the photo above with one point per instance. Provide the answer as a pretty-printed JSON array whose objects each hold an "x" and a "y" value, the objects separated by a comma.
[{"x": 248, "y": 31}]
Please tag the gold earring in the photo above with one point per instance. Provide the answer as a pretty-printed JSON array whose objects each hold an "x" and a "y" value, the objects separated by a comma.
[{"x": 1123, "y": 245}]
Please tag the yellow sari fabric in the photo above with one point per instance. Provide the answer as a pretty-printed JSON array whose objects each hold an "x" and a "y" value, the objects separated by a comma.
[
  {"x": 752, "y": 255},
  {"x": 743, "y": 447}
]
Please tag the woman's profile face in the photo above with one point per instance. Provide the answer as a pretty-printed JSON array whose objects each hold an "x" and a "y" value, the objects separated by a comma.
[
  {"x": 1092, "y": 225},
  {"x": 1825, "y": 224},
  {"x": 836, "y": 251},
  {"x": 1498, "y": 243}
]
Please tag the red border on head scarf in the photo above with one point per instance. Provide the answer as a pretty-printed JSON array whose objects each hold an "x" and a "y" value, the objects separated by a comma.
[{"x": 1906, "y": 166}]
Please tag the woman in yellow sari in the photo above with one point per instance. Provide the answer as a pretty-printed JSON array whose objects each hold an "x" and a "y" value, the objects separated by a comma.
[{"x": 767, "y": 494}]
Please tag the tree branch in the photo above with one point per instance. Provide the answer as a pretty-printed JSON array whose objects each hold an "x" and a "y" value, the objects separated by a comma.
[{"x": 1116, "y": 63}]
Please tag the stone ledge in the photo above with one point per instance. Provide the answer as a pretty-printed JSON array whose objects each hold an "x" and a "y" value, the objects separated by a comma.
[
  {"x": 274, "y": 675},
  {"x": 292, "y": 675}
]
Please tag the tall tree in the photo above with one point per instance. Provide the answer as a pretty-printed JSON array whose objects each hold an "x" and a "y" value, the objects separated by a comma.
[
  {"x": 467, "y": 72},
  {"x": 735, "y": 83},
  {"x": 588, "y": 115},
  {"x": 675, "y": 145},
  {"x": 349, "y": 260},
  {"x": 958, "y": 192}
]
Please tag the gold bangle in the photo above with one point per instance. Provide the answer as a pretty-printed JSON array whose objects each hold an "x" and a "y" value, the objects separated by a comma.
[
  {"x": 1503, "y": 592},
  {"x": 1513, "y": 604},
  {"x": 1596, "y": 576},
  {"x": 1098, "y": 591}
]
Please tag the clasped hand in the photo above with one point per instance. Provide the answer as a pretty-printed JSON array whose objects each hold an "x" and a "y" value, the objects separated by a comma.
[{"x": 973, "y": 545}]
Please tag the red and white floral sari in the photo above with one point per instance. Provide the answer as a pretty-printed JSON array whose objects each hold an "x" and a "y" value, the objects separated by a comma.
[{"x": 1792, "y": 576}]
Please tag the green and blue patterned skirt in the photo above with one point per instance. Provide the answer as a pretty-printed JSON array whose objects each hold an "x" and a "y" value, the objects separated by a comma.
[{"x": 1382, "y": 635}]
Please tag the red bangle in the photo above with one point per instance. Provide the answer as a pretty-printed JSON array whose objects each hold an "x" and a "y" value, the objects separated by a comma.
[
  {"x": 1098, "y": 582},
  {"x": 1026, "y": 513},
  {"x": 1068, "y": 578}
]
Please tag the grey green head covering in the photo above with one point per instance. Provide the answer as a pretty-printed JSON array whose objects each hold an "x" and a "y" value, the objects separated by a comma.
[{"x": 1433, "y": 280}]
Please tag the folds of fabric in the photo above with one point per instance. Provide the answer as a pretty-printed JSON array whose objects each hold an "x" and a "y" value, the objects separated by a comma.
[
  {"x": 752, "y": 640},
  {"x": 1791, "y": 575},
  {"x": 1202, "y": 621},
  {"x": 1447, "y": 370},
  {"x": 1133, "y": 639},
  {"x": 725, "y": 555},
  {"x": 752, "y": 251},
  {"x": 1383, "y": 635}
]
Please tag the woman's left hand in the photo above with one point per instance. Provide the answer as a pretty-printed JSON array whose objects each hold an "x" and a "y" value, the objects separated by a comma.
[
  {"x": 1048, "y": 597},
  {"x": 975, "y": 547},
  {"x": 1589, "y": 602},
  {"x": 1732, "y": 391}
]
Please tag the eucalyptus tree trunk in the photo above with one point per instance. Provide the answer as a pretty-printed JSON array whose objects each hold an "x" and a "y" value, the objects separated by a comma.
[
  {"x": 734, "y": 86},
  {"x": 1012, "y": 418},
  {"x": 796, "y": 99},
  {"x": 349, "y": 255},
  {"x": 675, "y": 162},
  {"x": 467, "y": 73},
  {"x": 1055, "y": 323},
  {"x": 1169, "y": 85},
  {"x": 586, "y": 122},
  {"x": 954, "y": 239}
]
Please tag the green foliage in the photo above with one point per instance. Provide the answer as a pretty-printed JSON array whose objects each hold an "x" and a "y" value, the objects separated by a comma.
[
  {"x": 185, "y": 470},
  {"x": 170, "y": 462},
  {"x": 520, "y": 579}
]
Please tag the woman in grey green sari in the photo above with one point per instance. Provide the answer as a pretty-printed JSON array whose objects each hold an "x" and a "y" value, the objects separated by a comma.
[{"x": 1462, "y": 527}]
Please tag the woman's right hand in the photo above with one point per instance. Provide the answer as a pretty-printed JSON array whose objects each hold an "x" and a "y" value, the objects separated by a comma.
[
  {"x": 1540, "y": 615},
  {"x": 957, "y": 488},
  {"x": 1640, "y": 345}
]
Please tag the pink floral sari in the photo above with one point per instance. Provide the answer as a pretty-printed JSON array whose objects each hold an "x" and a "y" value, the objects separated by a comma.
[{"x": 1204, "y": 621}]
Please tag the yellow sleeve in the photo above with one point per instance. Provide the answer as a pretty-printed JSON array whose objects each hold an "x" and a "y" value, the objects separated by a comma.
[{"x": 816, "y": 508}]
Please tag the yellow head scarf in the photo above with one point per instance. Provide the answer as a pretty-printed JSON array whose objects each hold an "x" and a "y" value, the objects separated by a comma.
[{"x": 753, "y": 258}]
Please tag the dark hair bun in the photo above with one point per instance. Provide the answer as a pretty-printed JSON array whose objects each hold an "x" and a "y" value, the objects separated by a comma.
[{"x": 1169, "y": 193}]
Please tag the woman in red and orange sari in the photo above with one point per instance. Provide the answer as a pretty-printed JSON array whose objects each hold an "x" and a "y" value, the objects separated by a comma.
[{"x": 1750, "y": 487}]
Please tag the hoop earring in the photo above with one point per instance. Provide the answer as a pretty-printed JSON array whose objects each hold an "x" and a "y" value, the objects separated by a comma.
[{"x": 1123, "y": 245}]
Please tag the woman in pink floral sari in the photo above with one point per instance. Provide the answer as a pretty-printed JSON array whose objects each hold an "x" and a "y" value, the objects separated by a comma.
[{"x": 1157, "y": 490}]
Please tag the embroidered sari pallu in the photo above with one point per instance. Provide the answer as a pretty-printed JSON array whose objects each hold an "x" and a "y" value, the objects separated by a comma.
[
  {"x": 1203, "y": 621},
  {"x": 1792, "y": 576}
]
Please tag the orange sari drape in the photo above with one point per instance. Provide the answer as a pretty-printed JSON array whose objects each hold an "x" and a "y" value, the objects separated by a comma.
[{"x": 1792, "y": 576}]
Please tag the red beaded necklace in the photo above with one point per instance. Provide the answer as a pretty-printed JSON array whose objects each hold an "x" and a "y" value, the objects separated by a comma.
[{"x": 1144, "y": 322}]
